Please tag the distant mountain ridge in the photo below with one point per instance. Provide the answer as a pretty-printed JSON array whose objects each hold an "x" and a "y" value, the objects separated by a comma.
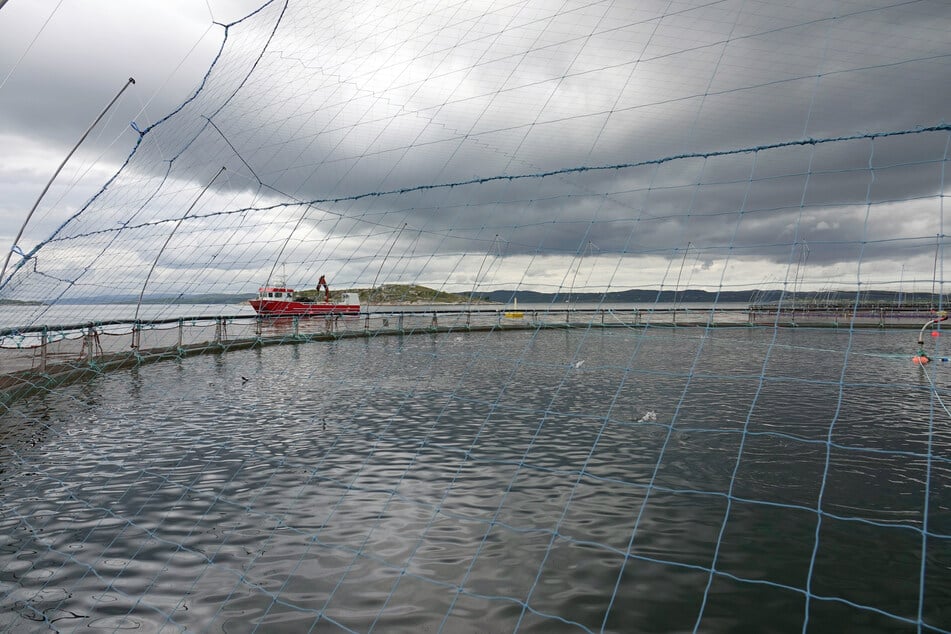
[
  {"x": 697, "y": 296},
  {"x": 205, "y": 298}
]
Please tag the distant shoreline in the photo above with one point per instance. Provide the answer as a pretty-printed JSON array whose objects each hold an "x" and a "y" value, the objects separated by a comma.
[{"x": 415, "y": 295}]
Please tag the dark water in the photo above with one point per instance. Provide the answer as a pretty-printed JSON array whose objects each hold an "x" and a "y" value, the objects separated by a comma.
[{"x": 659, "y": 480}]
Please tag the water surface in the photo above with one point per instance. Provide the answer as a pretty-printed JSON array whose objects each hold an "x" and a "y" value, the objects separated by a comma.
[{"x": 625, "y": 480}]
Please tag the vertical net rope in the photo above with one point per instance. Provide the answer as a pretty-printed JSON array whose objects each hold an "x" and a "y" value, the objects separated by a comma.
[{"x": 687, "y": 249}]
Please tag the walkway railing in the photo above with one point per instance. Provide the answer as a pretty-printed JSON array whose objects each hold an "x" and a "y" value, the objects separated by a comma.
[{"x": 37, "y": 357}]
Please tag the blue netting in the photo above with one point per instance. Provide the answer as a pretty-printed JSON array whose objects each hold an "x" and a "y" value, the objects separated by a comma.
[{"x": 743, "y": 443}]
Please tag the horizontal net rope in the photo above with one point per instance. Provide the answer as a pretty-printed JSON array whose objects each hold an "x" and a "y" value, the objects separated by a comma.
[{"x": 509, "y": 316}]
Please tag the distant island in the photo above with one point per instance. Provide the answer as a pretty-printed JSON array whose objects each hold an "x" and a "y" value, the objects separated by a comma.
[
  {"x": 385, "y": 294},
  {"x": 411, "y": 294}
]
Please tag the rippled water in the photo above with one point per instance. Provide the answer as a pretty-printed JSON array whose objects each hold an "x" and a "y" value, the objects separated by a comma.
[{"x": 658, "y": 480}]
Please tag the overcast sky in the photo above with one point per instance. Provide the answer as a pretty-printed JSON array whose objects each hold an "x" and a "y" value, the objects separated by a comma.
[{"x": 313, "y": 106}]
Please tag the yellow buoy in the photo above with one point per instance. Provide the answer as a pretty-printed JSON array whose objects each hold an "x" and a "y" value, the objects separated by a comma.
[{"x": 515, "y": 313}]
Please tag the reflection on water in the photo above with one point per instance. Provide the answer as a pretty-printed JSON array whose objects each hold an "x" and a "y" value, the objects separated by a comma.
[{"x": 628, "y": 480}]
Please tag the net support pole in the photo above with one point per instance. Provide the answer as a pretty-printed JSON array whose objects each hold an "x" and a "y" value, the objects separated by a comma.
[
  {"x": 138, "y": 304},
  {"x": 44, "y": 340}
]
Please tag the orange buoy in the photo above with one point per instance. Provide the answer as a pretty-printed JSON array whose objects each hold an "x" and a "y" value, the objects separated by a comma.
[
  {"x": 920, "y": 359},
  {"x": 935, "y": 333}
]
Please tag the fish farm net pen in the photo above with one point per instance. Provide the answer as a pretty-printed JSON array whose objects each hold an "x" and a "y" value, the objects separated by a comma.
[{"x": 466, "y": 317}]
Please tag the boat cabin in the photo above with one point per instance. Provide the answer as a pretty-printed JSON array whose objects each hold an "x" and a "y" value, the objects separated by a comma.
[{"x": 276, "y": 293}]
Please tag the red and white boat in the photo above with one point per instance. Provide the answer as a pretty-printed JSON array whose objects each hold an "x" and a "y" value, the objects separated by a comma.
[{"x": 280, "y": 301}]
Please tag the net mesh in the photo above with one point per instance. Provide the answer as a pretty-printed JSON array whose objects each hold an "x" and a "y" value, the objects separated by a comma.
[{"x": 743, "y": 442}]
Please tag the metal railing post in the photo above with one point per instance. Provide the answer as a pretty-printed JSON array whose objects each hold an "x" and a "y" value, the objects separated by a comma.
[{"x": 43, "y": 350}]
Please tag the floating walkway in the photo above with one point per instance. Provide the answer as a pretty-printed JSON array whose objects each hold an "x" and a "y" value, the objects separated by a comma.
[{"x": 40, "y": 357}]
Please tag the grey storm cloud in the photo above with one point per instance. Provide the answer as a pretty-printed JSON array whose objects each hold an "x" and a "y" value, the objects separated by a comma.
[{"x": 536, "y": 128}]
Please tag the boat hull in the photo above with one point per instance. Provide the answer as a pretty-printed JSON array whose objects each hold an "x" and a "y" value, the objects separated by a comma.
[{"x": 276, "y": 308}]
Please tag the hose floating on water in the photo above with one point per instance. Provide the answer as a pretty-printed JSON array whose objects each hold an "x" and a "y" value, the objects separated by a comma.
[{"x": 921, "y": 358}]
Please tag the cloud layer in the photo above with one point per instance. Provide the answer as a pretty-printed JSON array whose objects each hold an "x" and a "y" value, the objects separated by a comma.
[{"x": 728, "y": 144}]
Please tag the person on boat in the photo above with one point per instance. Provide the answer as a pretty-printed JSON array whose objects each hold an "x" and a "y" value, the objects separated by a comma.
[{"x": 323, "y": 282}]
